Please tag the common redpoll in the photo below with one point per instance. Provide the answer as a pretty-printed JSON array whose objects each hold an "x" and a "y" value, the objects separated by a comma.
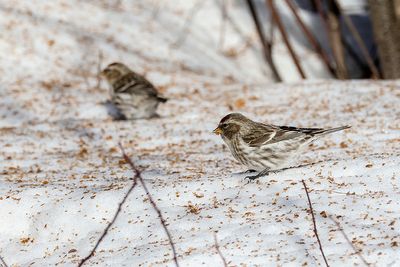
[
  {"x": 264, "y": 147},
  {"x": 132, "y": 94}
]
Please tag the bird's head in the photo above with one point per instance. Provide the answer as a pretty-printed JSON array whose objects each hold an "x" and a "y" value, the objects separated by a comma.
[
  {"x": 231, "y": 124},
  {"x": 114, "y": 72}
]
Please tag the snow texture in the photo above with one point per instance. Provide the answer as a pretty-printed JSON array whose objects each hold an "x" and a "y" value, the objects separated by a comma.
[{"x": 62, "y": 174}]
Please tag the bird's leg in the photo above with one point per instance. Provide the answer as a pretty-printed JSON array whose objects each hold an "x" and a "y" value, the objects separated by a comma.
[
  {"x": 276, "y": 171},
  {"x": 245, "y": 172},
  {"x": 264, "y": 172},
  {"x": 155, "y": 116},
  {"x": 120, "y": 117}
]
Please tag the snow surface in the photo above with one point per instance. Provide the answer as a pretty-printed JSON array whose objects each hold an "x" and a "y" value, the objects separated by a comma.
[{"x": 62, "y": 175}]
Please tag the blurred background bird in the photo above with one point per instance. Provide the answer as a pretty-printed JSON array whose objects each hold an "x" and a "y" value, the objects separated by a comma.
[
  {"x": 133, "y": 95},
  {"x": 264, "y": 147}
]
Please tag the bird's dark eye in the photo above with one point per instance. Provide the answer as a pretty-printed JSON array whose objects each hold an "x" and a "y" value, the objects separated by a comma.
[{"x": 224, "y": 125}]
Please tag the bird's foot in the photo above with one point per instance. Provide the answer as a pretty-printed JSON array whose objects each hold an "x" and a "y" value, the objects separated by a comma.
[
  {"x": 254, "y": 177},
  {"x": 251, "y": 178},
  {"x": 155, "y": 116},
  {"x": 246, "y": 172},
  {"x": 120, "y": 117},
  {"x": 260, "y": 174}
]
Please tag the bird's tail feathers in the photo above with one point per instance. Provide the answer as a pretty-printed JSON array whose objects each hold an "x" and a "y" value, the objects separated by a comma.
[
  {"x": 332, "y": 130},
  {"x": 162, "y": 99}
]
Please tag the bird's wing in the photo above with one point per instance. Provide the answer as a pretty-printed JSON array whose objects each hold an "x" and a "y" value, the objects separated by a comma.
[
  {"x": 284, "y": 133},
  {"x": 259, "y": 135},
  {"x": 133, "y": 82},
  {"x": 264, "y": 134}
]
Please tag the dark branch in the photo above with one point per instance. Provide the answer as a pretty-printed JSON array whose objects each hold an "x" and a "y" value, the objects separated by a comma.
[
  {"x": 266, "y": 44},
  {"x": 137, "y": 174},
  {"x": 315, "y": 224},
  {"x": 331, "y": 26},
  {"x": 2, "y": 262},
  {"x": 162, "y": 220},
  {"x": 285, "y": 37},
  {"x": 153, "y": 203},
  {"x": 318, "y": 7},
  {"x": 336, "y": 39},
  {"x": 350, "y": 25},
  {"x": 311, "y": 38},
  {"x": 219, "y": 251},
  {"x": 224, "y": 17},
  {"x": 99, "y": 62},
  {"x": 186, "y": 27},
  {"x": 349, "y": 241}
]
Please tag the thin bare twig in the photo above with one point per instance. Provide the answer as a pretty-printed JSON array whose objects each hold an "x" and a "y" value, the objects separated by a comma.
[
  {"x": 2, "y": 262},
  {"x": 311, "y": 38},
  {"x": 162, "y": 220},
  {"x": 359, "y": 40},
  {"x": 335, "y": 39},
  {"x": 318, "y": 5},
  {"x": 137, "y": 175},
  {"x": 334, "y": 43},
  {"x": 224, "y": 17},
  {"x": 192, "y": 13},
  {"x": 315, "y": 224},
  {"x": 358, "y": 251},
  {"x": 266, "y": 44},
  {"x": 271, "y": 31},
  {"x": 99, "y": 62},
  {"x": 153, "y": 203},
  {"x": 219, "y": 251},
  {"x": 285, "y": 37}
]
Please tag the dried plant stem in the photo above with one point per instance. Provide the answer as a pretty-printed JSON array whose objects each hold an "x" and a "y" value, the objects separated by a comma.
[
  {"x": 335, "y": 43},
  {"x": 314, "y": 223},
  {"x": 138, "y": 176},
  {"x": 266, "y": 44},
  {"x": 360, "y": 42},
  {"x": 162, "y": 220},
  {"x": 219, "y": 251},
  {"x": 224, "y": 17},
  {"x": 311, "y": 38},
  {"x": 285, "y": 37},
  {"x": 99, "y": 62},
  {"x": 322, "y": 15},
  {"x": 2, "y": 262},
  {"x": 135, "y": 179},
  {"x": 335, "y": 39},
  {"x": 349, "y": 241},
  {"x": 186, "y": 27}
]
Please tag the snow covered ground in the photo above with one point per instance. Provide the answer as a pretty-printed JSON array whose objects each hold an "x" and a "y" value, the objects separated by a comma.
[{"x": 62, "y": 174}]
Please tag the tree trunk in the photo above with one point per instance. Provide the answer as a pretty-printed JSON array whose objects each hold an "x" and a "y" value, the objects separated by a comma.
[{"x": 386, "y": 26}]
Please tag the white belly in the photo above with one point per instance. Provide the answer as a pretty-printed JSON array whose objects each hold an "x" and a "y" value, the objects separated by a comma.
[
  {"x": 272, "y": 156},
  {"x": 136, "y": 106}
]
